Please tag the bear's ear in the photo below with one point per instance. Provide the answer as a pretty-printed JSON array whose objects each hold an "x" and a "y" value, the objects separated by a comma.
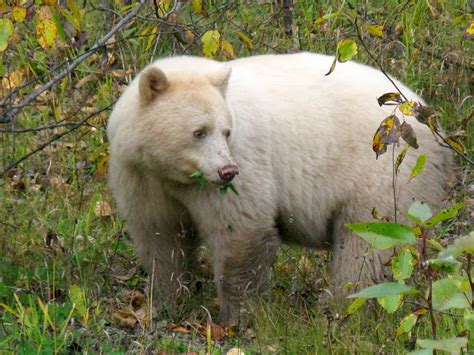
[
  {"x": 220, "y": 79},
  {"x": 151, "y": 83}
]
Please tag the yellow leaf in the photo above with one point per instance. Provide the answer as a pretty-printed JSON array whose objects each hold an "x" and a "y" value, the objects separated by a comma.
[
  {"x": 387, "y": 133},
  {"x": 455, "y": 143},
  {"x": 197, "y": 6},
  {"x": 151, "y": 38},
  {"x": 375, "y": 30},
  {"x": 407, "y": 107},
  {"x": 346, "y": 49},
  {"x": 401, "y": 157},
  {"x": 102, "y": 209},
  {"x": 18, "y": 14},
  {"x": 210, "y": 43},
  {"x": 469, "y": 31},
  {"x": 102, "y": 166},
  {"x": 12, "y": 80},
  {"x": 389, "y": 98},
  {"x": 49, "y": 2},
  {"x": 46, "y": 32},
  {"x": 227, "y": 49},
  {"x": 245, "y": 40},
  {"x": 6, "y": 30}
]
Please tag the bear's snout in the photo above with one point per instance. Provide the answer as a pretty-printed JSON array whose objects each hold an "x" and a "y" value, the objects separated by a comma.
[{"x": 228, "y": 172}]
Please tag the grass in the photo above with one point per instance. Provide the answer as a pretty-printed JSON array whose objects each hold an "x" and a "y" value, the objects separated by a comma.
[{"x": 69, "y": 280}]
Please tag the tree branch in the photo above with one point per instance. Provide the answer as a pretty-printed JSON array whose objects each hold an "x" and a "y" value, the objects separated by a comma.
[{"x": 54, "y": 139}]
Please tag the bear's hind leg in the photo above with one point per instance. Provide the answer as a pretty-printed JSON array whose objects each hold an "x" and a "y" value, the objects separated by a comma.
[{"x": 356, "y": 265}]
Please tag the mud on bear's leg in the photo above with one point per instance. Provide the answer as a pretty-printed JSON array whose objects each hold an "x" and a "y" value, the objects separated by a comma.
[{"x": 241, "y": 267}]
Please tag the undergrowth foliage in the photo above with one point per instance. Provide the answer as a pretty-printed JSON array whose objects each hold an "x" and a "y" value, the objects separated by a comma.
[{"x": 68, "y": 279}]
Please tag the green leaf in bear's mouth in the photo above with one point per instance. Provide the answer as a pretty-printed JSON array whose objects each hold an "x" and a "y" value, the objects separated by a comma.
[
  {"x": 199, "y": 175},
  {"x": 228, "y": 186}
]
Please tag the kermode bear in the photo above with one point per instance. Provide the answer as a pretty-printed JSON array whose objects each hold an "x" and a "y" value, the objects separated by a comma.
[{"x": 296, "y": 145}]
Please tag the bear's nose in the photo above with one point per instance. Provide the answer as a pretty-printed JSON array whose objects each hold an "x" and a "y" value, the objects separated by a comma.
[{"x": 228, "y": 172}]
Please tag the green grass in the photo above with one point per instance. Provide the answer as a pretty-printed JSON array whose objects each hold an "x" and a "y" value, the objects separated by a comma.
[{"x": 66, "y": 269}]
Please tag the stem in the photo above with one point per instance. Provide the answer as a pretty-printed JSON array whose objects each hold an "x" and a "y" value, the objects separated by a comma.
[
  {"x": 394, "y": 183},
  {"x": 429, "y": 275},
  {"x": 468, "y": 272}
]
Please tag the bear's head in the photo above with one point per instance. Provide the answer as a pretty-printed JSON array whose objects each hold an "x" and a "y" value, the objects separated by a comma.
[{"x": 182, "y": 125}]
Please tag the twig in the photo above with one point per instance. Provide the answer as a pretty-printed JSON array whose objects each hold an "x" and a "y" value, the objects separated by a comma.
[
  {"x": 54, "y": 139},
  {"x": 42, "y": 128},
  {"x": 448, "y": 145},
  {"x": 394, "y": 183},
  {"x": 10, "y": 115},
  {"x": 379, "y": 65}
]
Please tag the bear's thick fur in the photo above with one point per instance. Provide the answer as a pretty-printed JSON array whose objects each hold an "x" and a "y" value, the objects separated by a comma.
[{"x": 302, "y": 144}]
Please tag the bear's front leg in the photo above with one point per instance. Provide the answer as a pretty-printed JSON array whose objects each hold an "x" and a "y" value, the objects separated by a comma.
[
  {"x": 167, "y": 256},
  {"x": 241, "y": 266}
]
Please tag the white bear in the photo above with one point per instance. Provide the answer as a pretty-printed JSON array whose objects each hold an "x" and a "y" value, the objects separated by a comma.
[{"x": 296, "y": 145}]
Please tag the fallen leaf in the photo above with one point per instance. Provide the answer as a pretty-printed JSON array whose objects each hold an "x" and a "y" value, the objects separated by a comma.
[
  {"x": 125, "y": 319},
  {"x": 102, "y": 209}
]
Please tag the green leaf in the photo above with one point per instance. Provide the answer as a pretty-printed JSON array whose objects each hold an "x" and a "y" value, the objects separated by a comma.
[
  {"x": 445, "y": 264},
  {"x": 421, "y": 352},
  {"x": 419, "y": 165},
  {"x": 355, "y": 305},
  {"x": 57, "y": 22},
  {"x": 210, "y": 43},
  {"x": 199, "y": 175},
  {"x": 451, "y": 345},
  {"x": 464, "y": 245},
  {"x": 407, "y": 324},
  {"x": 383, "y": 235},
  {"x": 444, "y": 215},
  {"x": 346, "y": 49},
  {"x": 228, "y": 186},
  {"x": 78, "y": 298},
  {"x": 469, "y": 320},
  {"x": 383, "y": 290},
  {"x": 6, "y": 30},
  {"x": 402, "y": 265},
  {"x": 446, "y": 295},
  {"x": 390, "y": 303},
  {"x": 419, "y": 212}
]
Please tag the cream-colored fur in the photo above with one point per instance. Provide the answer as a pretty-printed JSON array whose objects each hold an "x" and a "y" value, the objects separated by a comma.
[{"x": 302, "y": 142}]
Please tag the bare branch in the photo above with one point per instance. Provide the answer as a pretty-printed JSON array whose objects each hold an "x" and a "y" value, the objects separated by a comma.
[{"x": 54, "y": 139}]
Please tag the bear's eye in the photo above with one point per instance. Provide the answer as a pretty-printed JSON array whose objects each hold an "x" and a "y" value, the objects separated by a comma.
[
  {"x": 200, "y": 133},
  {"x": 227, "y": 133}
]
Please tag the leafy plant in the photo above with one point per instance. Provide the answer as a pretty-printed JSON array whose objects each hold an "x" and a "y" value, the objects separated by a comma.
[{"x": 447, "y": 278}]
